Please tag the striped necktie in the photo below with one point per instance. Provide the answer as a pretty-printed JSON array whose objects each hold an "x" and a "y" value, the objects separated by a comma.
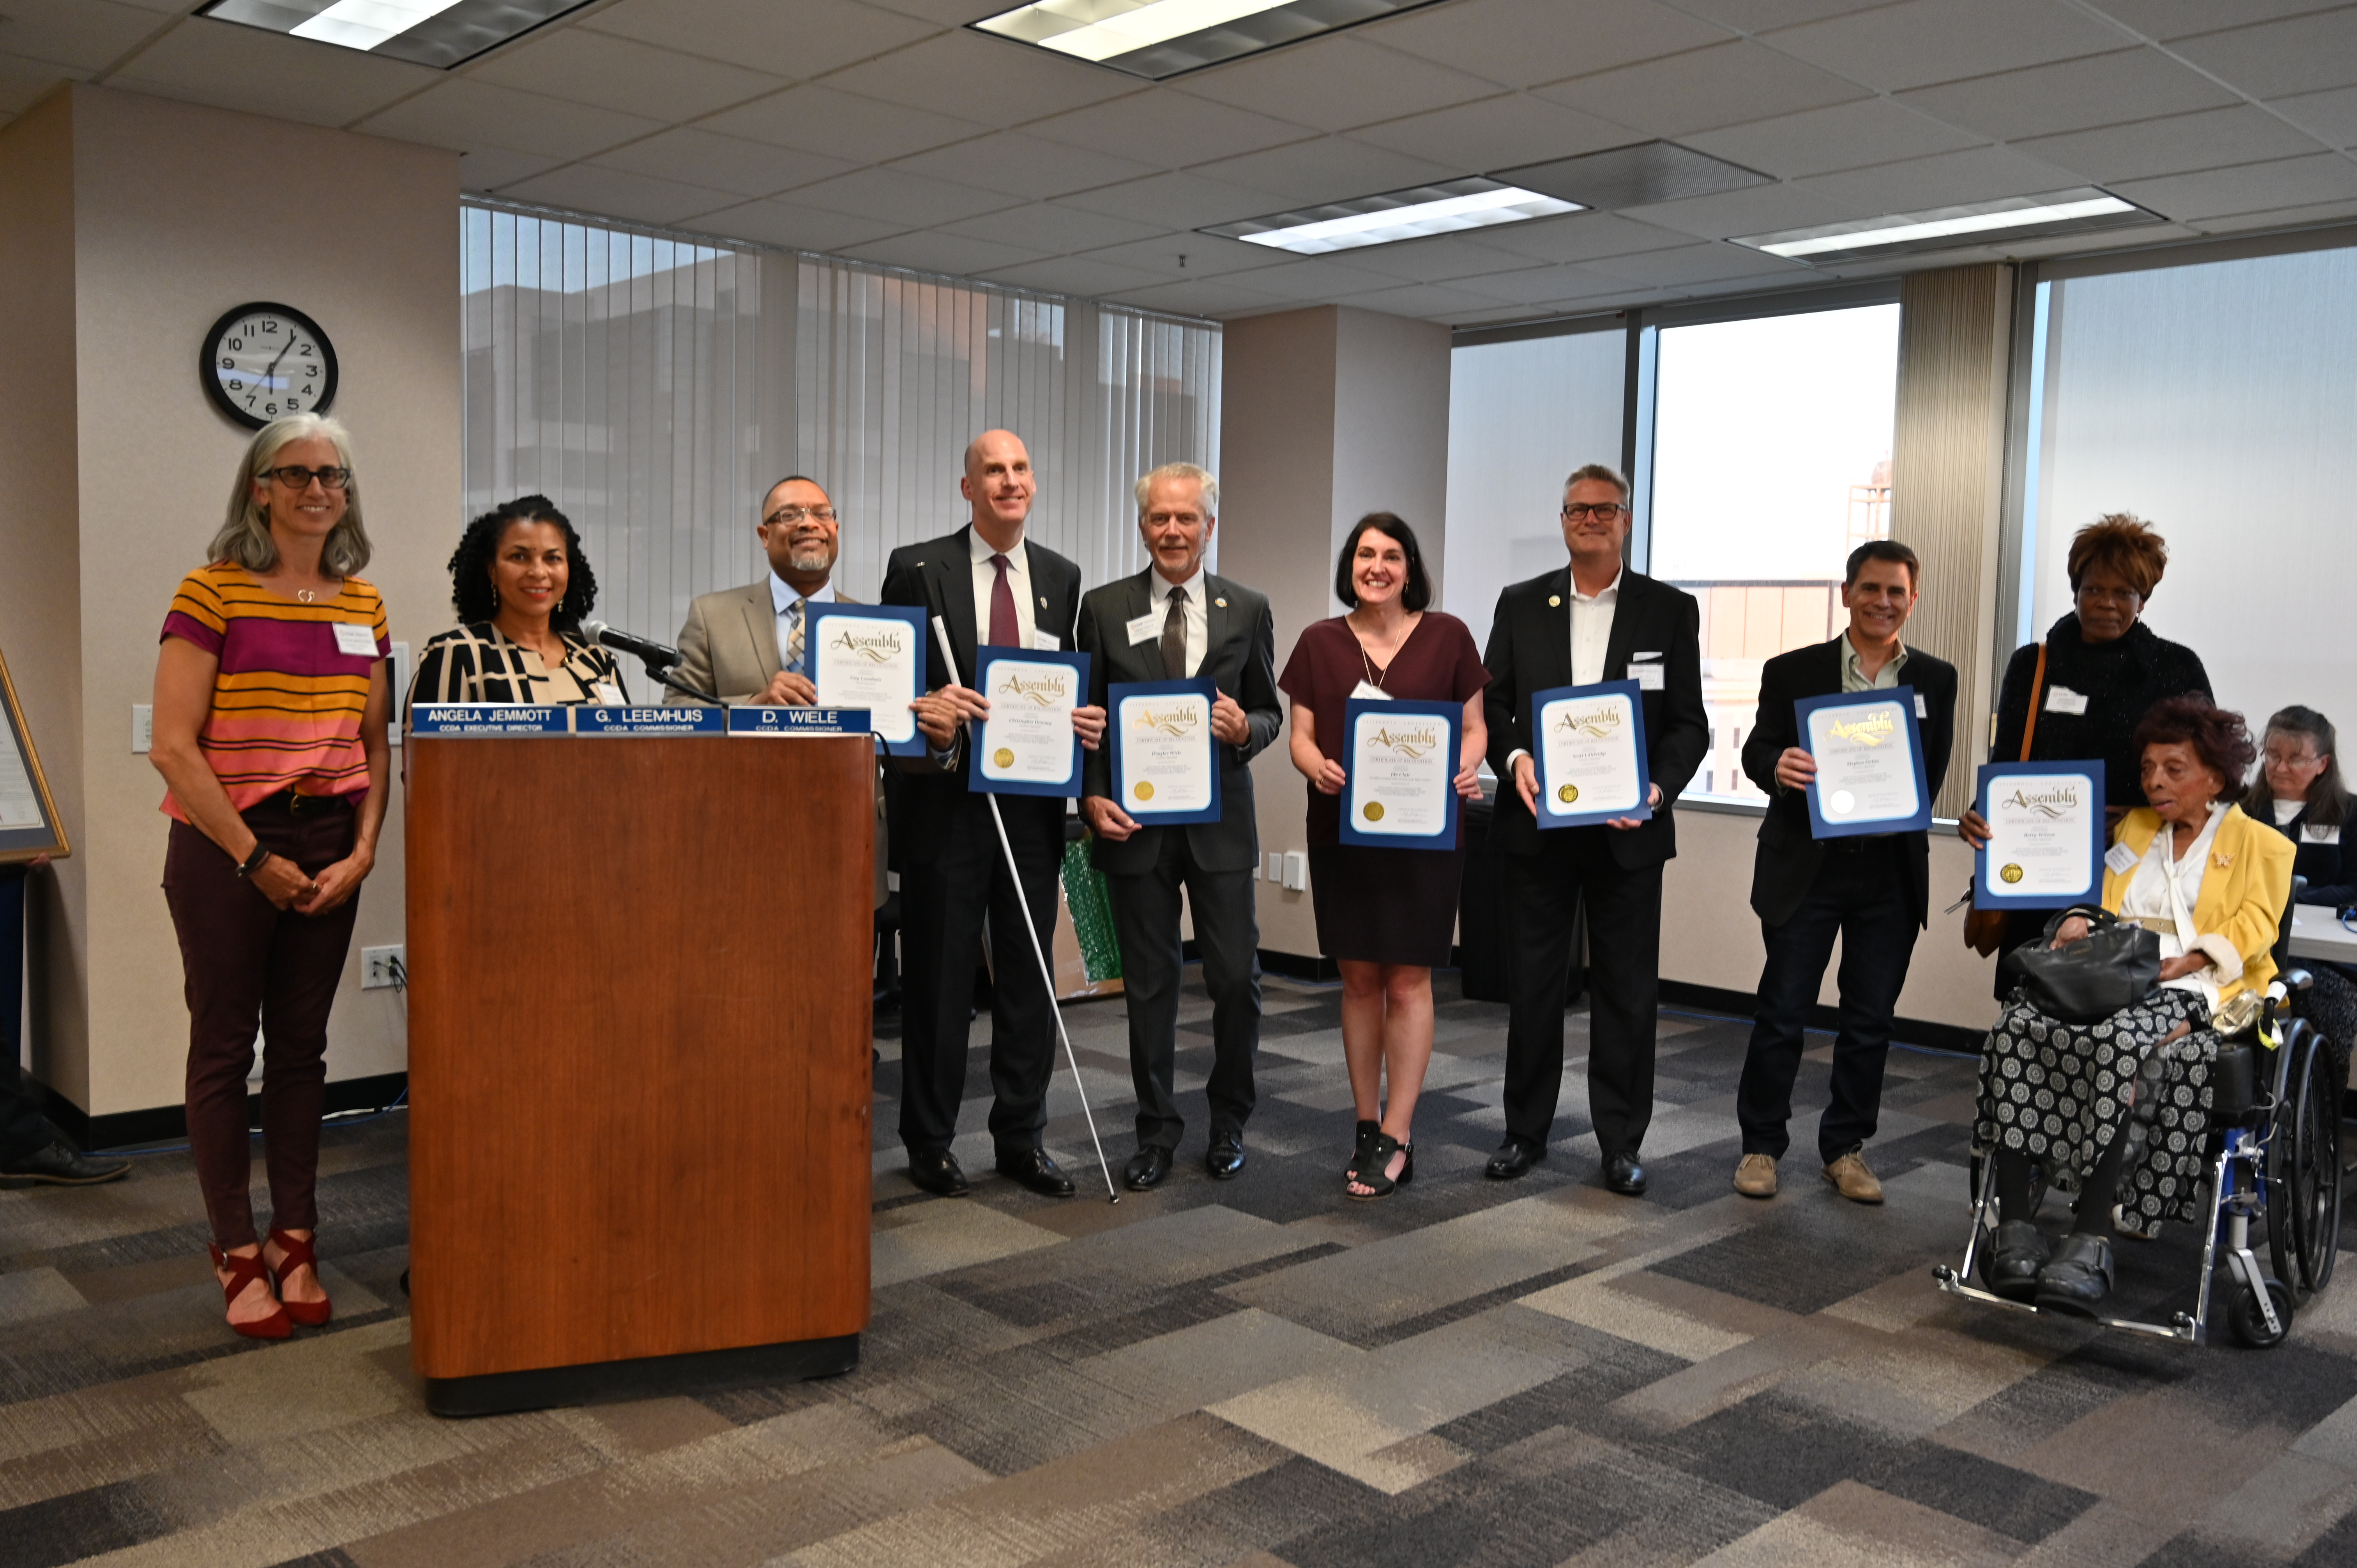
[{"x": 794, "y": 636}]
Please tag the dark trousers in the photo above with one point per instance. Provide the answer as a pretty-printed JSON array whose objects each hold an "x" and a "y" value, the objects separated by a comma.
[
  {"x": 23, "y": 1134},
  {"x": 247, "y": 962},
  {"x": 1542, "y": 894},
  {"x": 1226, "y": 933},
  {"x": 943, "y": 906},
  {"x": 1859, "y": 894}
]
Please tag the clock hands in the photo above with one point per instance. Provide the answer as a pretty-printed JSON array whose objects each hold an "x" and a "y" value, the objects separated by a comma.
[{"x": 270, "y": 373}]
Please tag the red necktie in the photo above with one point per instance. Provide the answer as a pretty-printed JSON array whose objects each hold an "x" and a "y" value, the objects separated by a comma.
[{"x": 1003, "y": 630}]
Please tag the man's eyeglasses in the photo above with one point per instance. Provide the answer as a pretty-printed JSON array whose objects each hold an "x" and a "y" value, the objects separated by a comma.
[
  {"x": 796, "y": 513},
  {"x": 1602, "y": 511},
  {"x": 296, "y": 478}
]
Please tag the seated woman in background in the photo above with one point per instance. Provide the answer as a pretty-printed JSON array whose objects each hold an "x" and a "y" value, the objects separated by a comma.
[
  {"x": 2300, "y": 790},
  {"x": 2098, "y": 1102},
  {"x": 521, "y": 586}
]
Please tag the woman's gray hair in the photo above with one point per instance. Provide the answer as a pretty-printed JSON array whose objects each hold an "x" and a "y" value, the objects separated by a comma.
[
  {"x": 245, "y": 536},
  {"x": 1200, "y": 476}
]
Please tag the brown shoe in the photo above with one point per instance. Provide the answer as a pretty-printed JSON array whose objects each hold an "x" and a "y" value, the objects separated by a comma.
[
  {"x": 1853, "y": 1180},
  {"x": 1755, "y": 1176}
]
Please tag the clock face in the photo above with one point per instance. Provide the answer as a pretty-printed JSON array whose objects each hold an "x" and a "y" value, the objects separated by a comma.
[{"x": 263, "y": 361}]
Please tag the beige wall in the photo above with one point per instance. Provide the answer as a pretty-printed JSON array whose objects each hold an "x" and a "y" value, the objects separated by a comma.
[{"x": 179, "y": 213}]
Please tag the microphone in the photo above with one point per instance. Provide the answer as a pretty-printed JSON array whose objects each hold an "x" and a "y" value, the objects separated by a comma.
[{"x": 659, "y": 656}]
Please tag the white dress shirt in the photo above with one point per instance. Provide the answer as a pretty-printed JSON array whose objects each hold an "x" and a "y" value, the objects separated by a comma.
[
  {"x": 1019, "y": 583},
  {"x": 783, "y": 596},
  {"x": 1591, "y": 634},
  {"x": 1199, "y": 621}
]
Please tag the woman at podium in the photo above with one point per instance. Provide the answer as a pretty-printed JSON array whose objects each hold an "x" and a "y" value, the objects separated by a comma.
[
  {"x": 521, "y": 586},
  {"x": 271, "y": 704}
]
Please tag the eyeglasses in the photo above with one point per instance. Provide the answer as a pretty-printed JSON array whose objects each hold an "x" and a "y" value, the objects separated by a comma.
[
  {"x": 1603, "y": 511},
  {"x": 796, "y": 513},
  {"x": 296, "y": 478}
]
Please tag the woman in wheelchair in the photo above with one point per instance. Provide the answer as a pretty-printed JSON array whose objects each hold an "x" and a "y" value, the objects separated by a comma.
[{"x": 2120, "y": 1108}]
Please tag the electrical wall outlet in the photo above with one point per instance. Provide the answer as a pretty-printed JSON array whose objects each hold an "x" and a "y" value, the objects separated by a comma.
[
  {"x": 1297, "y": 870},
  {"x": 377, "y": 971},
  {"x": 142, "y": 728},
  {"x": 1276, "y": 867}
]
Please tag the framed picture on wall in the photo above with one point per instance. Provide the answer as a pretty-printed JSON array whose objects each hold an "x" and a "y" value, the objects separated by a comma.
[{"x": 28, "y": 817}]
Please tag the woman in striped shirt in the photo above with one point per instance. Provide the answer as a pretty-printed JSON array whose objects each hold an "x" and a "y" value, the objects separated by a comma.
[
  {"x": 521, "y": 586},
  {"x": 271, "y": 705}
]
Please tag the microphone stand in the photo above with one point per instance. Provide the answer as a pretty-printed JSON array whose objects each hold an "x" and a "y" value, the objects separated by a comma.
[{"x": 666, "y": 675}]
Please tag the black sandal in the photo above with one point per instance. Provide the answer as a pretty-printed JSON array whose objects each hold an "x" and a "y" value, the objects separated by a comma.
[
  {"x": 1367, "y": 1171},
  {"x": 1359, "y": 1143}
]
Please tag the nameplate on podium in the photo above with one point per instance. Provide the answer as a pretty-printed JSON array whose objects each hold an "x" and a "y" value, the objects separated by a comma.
[
  {"x": 798, "y": 721},
  {"x": 488, "y": 719},
  {"x": 650, "y": 721}
]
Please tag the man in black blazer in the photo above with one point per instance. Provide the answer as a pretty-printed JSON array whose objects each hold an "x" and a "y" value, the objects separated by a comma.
[
  {"x": 1175, "y": 621},
  {"x": 1872, "y": 891},
  {"x": 1590, "y": 620},
  {"x": 991, "y": 587}
]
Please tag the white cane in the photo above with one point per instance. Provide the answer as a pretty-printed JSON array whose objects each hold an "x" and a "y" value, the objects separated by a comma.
[{"x": 1046, "y": 975}]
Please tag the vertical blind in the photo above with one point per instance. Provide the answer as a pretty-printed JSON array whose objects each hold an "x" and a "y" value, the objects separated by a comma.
[{"x": 655, "y": 387}]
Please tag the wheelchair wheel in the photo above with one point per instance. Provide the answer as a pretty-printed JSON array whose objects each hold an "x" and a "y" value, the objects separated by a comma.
[
  {"x": 2250, "y": 1326},
  {"x": 2304, "y": 1169}
]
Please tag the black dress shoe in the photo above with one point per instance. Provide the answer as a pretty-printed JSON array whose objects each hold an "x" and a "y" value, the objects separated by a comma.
[
  {"x": 937, "y": 1172},
  {"x": 1146, "y": 1169},
  {"x": 1624, "y": 1175},
  {"x": 1515, "y": 1158},
  {"x": 1035, "y": 1170},
  {"x": 2078, "y": 1277},
  {"x": 58, "y": 1165},
  {"x": 2010, "y": 1268},
  {"x": 1225, "y": 1157}
]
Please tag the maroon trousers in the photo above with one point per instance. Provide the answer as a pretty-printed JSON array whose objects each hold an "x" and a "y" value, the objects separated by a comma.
[{"x": 247, "y": 961}]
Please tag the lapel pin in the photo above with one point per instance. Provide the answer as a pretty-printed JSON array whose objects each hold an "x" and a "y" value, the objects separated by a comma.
[
  {"x": 1043, "y": 601},
  {"x": 1554, "y": 601},
  {"x": 2225, "y": 862},
  {"x": 1222, "y": 603}
]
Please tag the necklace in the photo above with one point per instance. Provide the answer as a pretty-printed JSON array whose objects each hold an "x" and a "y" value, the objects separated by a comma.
[{"x": 305, "y": 596}]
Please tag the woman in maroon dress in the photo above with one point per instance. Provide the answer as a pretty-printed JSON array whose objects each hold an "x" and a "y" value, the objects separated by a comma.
[{"x": 1384, "y": 915}]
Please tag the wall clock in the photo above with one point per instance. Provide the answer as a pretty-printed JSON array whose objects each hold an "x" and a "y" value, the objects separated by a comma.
[{"x": 263, "y": 360}]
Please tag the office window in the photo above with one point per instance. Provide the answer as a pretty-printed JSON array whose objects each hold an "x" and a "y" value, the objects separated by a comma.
[
  {"x": 1521, "y": 415},
  {"x": 1770, "y": 461},
  {"x": 2216, "y": 402}
]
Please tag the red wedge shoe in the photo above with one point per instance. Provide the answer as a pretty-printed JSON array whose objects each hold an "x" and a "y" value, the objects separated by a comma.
[
  {"x": 309, "y": 1313},
  {"x": 243, "y": 1271}
]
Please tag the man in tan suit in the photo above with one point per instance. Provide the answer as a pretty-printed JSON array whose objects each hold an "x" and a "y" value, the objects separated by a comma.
[{"x": 745, "y": 645}]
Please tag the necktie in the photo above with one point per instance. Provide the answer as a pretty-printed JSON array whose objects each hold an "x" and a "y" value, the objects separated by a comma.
[
  {"x": 794, "y": 636},
  {"x": 1004, "y": 632},
  {"x": 1174, "y": 638}
]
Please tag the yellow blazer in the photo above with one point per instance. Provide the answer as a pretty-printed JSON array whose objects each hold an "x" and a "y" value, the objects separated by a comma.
[{"x": 2239, "y": 912}]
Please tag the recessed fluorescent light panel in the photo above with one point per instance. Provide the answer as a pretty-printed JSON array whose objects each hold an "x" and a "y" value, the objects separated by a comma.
[
  {"x": 1948, "y": 228},
  {"x": 1428, "y": 209},
  {"x": 1158, "y": 38},
  {"x": 440, "y": 33}
]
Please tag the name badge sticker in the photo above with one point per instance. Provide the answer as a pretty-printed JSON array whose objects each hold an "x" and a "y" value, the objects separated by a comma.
[
  {"x": 1045, "y": 642},
  {"x": 1373, "y": 693},
  {"x": 1923, "y": 709},
  {"x": 606, "y": 693},
  {"x": 2119, "y": 860},
  {"x": 1649, "y": 677},
  {"x": 355, "y": 641},
  {"x": 1144, "y": 630},
  {"x": 2062, "y": 700}
]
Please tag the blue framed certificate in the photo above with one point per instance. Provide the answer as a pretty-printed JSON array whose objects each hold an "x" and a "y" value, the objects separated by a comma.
[
  {"x": 1399, "y": 763},
  {"x": 1588, "y": 742},
  {"x": 488, "y": 719},
  {"x": 750, "y": 720},
  {"x": 680, "y": 720},
  {"x": 872, "y": 657},
  {"x": 2046, "y": 835},
  {"x": 1165, "y": 761},
  {"x": 1869, "y": 758},
  {"x": 1028, "y": 745}
]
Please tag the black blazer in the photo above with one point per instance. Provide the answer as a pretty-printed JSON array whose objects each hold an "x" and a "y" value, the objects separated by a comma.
[
  {"x": 1239, "y": 659},
  {"x": 2331, "y": 868},
  {"x": 1787, "y": 860},
  {"x": 2119, "y": 680},
  {"x": 937, "y": 576},
  {"x": 1530, "y": 651}
]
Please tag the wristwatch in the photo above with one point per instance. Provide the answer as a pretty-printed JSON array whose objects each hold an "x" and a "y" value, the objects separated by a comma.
[{"x": 253, "y": 861}]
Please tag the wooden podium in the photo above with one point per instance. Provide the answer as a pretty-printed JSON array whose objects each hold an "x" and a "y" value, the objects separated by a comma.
[{"x": 639, "y": 1036}]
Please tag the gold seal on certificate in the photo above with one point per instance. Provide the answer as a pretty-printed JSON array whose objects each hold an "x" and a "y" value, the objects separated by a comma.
[{"x": 1165, "y": 761}]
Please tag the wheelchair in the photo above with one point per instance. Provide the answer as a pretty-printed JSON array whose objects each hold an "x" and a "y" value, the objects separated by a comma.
[{"x": 2275, "y": 1157}]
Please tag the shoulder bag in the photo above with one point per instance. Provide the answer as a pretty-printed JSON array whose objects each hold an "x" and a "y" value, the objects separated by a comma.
[
  {"x": 2115, "y": 965},
  {"x": 1985, "y": 928}
]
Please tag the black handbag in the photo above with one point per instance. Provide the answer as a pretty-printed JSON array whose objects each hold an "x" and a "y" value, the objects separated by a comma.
[{"x": 2115, "y": 965}]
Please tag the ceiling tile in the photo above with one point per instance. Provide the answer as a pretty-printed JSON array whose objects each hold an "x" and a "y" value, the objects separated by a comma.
[
  {"x": 1022, "y": 165},
  {"x": 943, "y": 13},
  {"x": 1167, "y": 129},
  {"x": 977, "y": 77},
  {"x": 1202, "y": 298},
  {"x": 618, "y": 73},
  {"x": 2179, "y": 18},
  {"x": 87, "y": 35},
  {"x": 2274, "y": 58},
  {"x": 1726, "y": 84},
  {"x": 821, "y": 120},
  {"x": 798, "y": 41},
  {"x": 1697, "y": 264},
  {"x": 1497, "y": 133},
  {"x": 1443, "y": 258},
  {"x": 1315, "y": 281},
  {"x": 1072, "y": 274},
  {"x": 723, "y": 162},
  {"x": 1760, "y": 210},
  {"x": 1581, "y": 236},
  {"x": 1429, "y": 302},
  {"x": 1331, "y": 168},
  {"x": 2180, "y": 144},
  {"x": 487, "y": 169},
  {"x": 1534, "y": 285},
  {"x": 2331, "y": 116},
  {"x": 1053, "y": 228},
  {"x": 904, "y": 200},
  {"x": 1178, "y": 200},
  {"x": 615, "y": 193},
  {"x": 246, "y": 68},
  {"x": 1823, "y": 140},
  {"x": 461, "y": 113},
  {"x": 2071, "y": 95},
  {"x": 931, "y": 251},
  {"x": 2247, "y": 188},
  {"x": 1208, "y": 255},
  {"x": 23, "y": 84},
  {"x": 1981, "y": 174},
  {"x": 1337, "y": 82},
  {"x": 796, "y": 228},
  {"x": 1643, "y": 173},
  {"x": 1765, "y": 16},
  {"x": 1523, "y": 42},
  {"x": 2282, "y": 218},
  {"x": 1925, "y": 41}
]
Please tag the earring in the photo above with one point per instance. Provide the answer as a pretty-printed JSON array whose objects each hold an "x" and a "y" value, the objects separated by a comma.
[{"x": 495, "y": 598}]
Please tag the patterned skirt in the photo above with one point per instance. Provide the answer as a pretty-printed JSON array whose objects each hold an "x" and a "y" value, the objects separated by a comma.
[{"x": 2057, "y": 1092}]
